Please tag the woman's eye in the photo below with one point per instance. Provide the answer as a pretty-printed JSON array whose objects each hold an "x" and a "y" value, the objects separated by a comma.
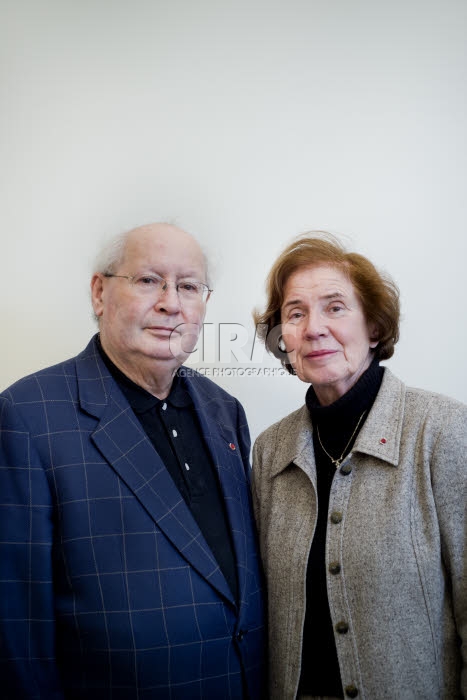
[{"x": 295, "y": 316}]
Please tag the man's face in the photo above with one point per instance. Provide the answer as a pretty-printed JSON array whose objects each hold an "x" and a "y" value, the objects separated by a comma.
[{"x": 138, "y": 327}]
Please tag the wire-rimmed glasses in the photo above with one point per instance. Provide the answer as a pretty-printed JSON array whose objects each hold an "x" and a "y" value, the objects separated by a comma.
[{"x": 151, "y": 284}]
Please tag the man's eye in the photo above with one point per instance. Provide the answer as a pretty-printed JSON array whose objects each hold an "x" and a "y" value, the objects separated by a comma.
[
  {"x": 148, "y": 280},
  {"x": 335, "y": 308},
  {"x": 190, "y": 287}
]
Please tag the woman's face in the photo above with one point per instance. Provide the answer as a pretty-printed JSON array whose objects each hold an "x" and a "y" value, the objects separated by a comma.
[{"x": 325, "y": 331}]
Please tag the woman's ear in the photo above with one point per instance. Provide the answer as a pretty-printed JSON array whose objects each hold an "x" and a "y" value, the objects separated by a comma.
[{"x": 374, "y": 336}]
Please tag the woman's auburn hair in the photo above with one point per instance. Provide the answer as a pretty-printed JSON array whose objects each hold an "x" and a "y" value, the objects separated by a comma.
[{"x": 377, "y": 292}]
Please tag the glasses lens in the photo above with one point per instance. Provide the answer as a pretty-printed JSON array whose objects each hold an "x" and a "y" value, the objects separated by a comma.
[
  {"x": 153, "y": 285},
  {"x": 148, "y": 284},
  {"x": 192, "y": 291}
]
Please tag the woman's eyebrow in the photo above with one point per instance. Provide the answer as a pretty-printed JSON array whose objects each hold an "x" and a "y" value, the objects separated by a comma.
[
  {"x": 292, "y": 302},
  {"x": 323, "y": 297},
  {"x": 333, "y": 295}
]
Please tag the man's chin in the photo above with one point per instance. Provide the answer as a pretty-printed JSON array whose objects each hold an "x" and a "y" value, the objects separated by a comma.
[
  {"x": 165, "y": 354},
  {"x": 166, "y": 350}
]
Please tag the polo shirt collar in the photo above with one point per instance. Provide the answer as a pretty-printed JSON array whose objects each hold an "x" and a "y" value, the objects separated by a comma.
[{"x": 139, "y": 398}]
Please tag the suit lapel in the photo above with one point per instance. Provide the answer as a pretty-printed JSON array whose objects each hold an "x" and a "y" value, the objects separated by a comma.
[
  {"x": 124, "y": 444},
  {"x": 231, "y": 473}
]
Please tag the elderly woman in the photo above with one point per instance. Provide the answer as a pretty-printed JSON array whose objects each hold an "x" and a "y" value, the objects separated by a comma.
[{"x": 360, "y": 496}]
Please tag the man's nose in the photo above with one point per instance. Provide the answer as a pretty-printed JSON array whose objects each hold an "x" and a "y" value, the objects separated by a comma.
[{"x": 168, "y": 299}]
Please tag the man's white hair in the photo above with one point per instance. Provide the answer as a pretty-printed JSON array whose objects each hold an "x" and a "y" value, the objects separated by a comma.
[{"x": 112, "y": 252}]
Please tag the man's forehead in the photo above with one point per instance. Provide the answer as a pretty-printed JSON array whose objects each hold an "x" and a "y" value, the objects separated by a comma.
[
  {"x": 164, "y": 245},
  {"x": 158, "y": 234}
]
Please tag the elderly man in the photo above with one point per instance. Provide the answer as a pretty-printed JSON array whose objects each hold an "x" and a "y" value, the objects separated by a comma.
[{"x": 128, "y": 561}]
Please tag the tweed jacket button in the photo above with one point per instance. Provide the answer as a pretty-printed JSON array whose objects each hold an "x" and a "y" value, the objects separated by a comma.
[
  {"x": 351, "y": 691},
  {"x": 346, "y": 469},
  {"x": 342, "y": 627},
  {"x": 334, "y": 567},
  {"x": 336, "y": 517}
]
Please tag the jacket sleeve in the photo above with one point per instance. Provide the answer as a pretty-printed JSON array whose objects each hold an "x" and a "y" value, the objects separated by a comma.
[
  {"x": 449, "y": 479},
  {"x": 263, "y": 455},
  {"x": 256, "y": 468},
  {"x": 27, "y": 624}
]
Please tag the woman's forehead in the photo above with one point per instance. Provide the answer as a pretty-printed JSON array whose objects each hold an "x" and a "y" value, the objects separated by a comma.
[{"x": 317, "y": 277}]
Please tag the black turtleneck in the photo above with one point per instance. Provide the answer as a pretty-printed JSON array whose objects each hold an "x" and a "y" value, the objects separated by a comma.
[{"x": 336, "y": 424}]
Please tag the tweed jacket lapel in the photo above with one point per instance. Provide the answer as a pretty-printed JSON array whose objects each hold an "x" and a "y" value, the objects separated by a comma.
[
  {"x": 381, "y": 433},
  {"x": 124, "y": 444},
  {"x": 295, "y": 444},
  {"x": 379, "y": 437}
]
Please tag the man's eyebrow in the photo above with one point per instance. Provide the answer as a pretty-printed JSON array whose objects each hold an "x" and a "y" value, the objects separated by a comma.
[{"x": 191, "y": 274}]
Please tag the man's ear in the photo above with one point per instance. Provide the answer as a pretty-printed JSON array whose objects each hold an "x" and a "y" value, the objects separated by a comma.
[{"x": 97, "y": 289}]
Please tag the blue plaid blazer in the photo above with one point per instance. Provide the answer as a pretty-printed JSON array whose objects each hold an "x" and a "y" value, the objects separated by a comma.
[{"x": 108, "y": 589}]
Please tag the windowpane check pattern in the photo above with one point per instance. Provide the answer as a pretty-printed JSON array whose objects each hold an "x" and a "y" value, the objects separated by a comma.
[{"x": 107, "y": 587}]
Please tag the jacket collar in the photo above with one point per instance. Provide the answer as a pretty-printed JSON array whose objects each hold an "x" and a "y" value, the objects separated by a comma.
[
  {"x": 95, "y": 382},
  {"x": 379, "y": 437}
]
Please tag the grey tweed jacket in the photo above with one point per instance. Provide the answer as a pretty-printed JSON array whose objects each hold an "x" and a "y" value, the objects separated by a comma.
[{"x": 397, "y": 527}]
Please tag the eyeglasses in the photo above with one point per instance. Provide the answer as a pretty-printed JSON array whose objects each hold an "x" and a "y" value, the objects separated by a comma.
[{"x": 152, "y": 285}]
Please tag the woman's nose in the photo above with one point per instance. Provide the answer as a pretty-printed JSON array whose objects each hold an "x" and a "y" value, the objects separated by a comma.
[{"x": 315, "y": 325}]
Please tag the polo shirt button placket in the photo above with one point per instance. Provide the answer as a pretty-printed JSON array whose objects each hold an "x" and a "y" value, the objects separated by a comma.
[{"x": 240, "y": 635}]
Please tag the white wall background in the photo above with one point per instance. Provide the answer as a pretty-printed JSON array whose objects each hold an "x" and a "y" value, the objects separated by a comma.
[{"x": 248, "y": 122}]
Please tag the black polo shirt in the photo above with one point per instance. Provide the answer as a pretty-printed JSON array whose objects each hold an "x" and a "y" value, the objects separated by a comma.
[{"x": 173, "y": 428}]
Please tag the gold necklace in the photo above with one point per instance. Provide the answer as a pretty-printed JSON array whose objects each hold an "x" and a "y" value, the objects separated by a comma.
[{"x": 337, "y": 462}]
